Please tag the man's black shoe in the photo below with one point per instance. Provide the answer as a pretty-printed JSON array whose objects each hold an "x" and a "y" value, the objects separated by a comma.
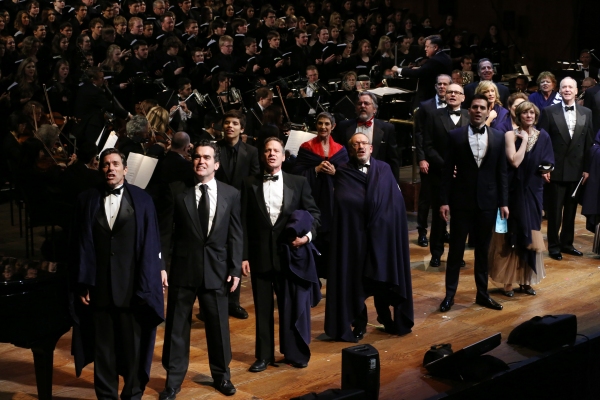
[
  {"x": 225, "y": 387},
  {"x": 556, "y": 256},
  {"x": 359, "y": 332},
  {"x": 169, "y": 393},
  {"x": 258, "y": 366},
  {"x": 572, "y": 252},
  {"x": 237, "y": 311},
  {"x": 488, "y": 302},
  {"x": 423, "y": 242},
  {"x": 293, "y": 363},
  {"x": 435, "y": 262},
  {"x": 447, "y": 304},
  {"x": 446, "y": 237}
]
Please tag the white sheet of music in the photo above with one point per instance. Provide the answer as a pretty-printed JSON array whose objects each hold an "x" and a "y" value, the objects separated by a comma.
[
  {"x": 296, "y": 139},
  {"x": 111, "y": 141},
  {"x": 140, "y": 169}
]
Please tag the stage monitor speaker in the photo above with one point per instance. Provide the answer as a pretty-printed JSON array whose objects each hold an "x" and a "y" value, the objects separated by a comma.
[
  {"x": 545, "y": 333},
  {"x": 334, "y": 394},
  {"x": 361, "y": 369}
]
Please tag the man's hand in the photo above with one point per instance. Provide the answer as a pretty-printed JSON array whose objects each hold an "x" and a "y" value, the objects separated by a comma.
[
  {"x": 504, "y": 212},
  {"x": 445, "y": 213},
  {"x": 546, "y": 177},
  {"x": 300, "y": 241},
  {"x": 85, "y": 299},
  {"x": 234, "y": 285},
  {"x": 586, "y": 175},
  {"x": 163, "y": 278},
  {"x": 424, "y": 166},
  {"x": 245, "y": 268},
  {"x": 326, "y": 168},
  {"x": 178, "y": 71},
  {"x": 329, "y": 59}
]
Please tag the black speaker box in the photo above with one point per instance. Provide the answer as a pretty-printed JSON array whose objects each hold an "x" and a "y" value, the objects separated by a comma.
[
  {"x": 334, "y": 394},
  {"x": 545, "y": 333},
  {"x": 361, "y": 369}
]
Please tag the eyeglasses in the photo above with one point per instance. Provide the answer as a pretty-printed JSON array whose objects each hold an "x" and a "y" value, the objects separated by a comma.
[
  {"x": 356, "y": 145},
  {"x": 364, "y": 103},
  {"x": 456, "y": 92}
]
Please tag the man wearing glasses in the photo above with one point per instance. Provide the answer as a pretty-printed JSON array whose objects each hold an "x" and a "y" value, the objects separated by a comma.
[
  {"x": 435, "y": 142},
  {"x": 224, "y": 59},
  {"x": 381, "y": 134},
  {"x": 369, "y": 248}
]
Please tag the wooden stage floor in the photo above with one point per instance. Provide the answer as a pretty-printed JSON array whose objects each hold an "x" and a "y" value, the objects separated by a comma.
[{"x": 572, "y": 286}]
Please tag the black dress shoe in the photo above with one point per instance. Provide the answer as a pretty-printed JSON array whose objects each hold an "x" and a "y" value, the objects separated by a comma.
[
  {"x": 359, "y": 332},
  {"x": 488, "y": 302},
  {"x": 527, "y": 290},
  {"x": 225, "y": 387},
  {"x": 573, "y": 252},
  {"x": 557, "y": 256},
  {"x": 508, "y": 293},
  {"x": 423, "y": 242},
  {"x": 435, "y": 262},
  {"x": 447, "y": 304},
  {"x": 446, "y": 237},
  {"x": 258, "y": 366},
  {"x": 238, "y": 312},
  {"x": 293, "y": 363},
  {"x": 169, "y": 393},
  {"x": 388, "y": 325},
  {"x": 463, "y": 264}
]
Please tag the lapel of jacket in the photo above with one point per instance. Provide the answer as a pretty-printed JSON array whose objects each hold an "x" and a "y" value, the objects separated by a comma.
[
  {"x": 579, "y": 123},
  {"x": 377, "y": 137},
  {"x": 125, "y": 211},
  {"x": 464, "y": 118},
  {"x": 101, "y": 214},
  {"x": 224, "y": 164},
  {"x": 561, "y": 123},
  {"x": 491, "y": 146},
  {"x": 242, "y": 154},
  {"x": 467, "y": 144},
  {"x": 447, "y": 121},
  {"x": 220, "y": 210},
  {"x": 260, "y": 197},
  {"x": 288, "y": 197},
  {"x": 189, "y": 198}
]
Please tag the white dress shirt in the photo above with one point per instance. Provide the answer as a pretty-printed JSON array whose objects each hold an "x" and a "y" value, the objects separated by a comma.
[
  {"x": 366, "y": 130},
  {"x": 455, "y": 118},
  {"x": 364, "y": 168},
  {"x": 273, "y": 193},
  {"x": 571, "y": 119},
  {"x": 439, "y": 103},
  {"x": 211, "y": 189},
  {"x": 112, "y": 204},
  {"x": 479, "y": 144}
]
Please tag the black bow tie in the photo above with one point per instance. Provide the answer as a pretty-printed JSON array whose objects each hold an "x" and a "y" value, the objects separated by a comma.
[
  {"x": 571, "y": 108},
  {"x": 478, "y": 130},
  {"x": 268, "y": 177},
  {"x": 457, "y": 112},
  {"x": 116, "y": 191},
  {"x": 441, "y": 103}
]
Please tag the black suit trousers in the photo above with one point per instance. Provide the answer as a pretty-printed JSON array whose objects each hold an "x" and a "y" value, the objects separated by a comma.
[
  {"x": 117, "y": 333},
  {"x": 424, "y": 204},
  {"x": 462, "y": 222},
  {"x": 263, "y": 287},
  {"x": 176, "y": 350},
  {"x": 560, "y": 208},
  {"x": 438, "y": 225}
]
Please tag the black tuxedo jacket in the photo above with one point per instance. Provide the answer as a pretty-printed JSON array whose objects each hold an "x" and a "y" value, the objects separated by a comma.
[
  {"x": 385, "y": 147},
  {"x": 426, "y": 109},
  {"x": 485, "y": 187},
  {"x": 198, "y": 259},
  {"x": 591, "y": 100},
  {"x": 262, "y": 240},
  {"x": 436, "y": 136},
  {"x": 503, "y": 91},
  {"x": 246, "y": 165},
  {"x": 440, "y": 63},
  {"x": 570, "y": 154}
]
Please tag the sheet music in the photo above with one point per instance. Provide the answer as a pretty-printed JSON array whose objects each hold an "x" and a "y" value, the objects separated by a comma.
[
  {"x": 111, "y": 141},
  {"x": 296, "y": 139},
  {"x": 387, "y": 90},
  {"x": 140, "y": 169}
]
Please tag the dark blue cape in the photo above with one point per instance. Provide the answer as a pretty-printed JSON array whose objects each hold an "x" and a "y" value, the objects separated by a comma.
[
  {"x": 502, "y": 115},
  {"x": 147, "y": 255},
  {"x": 525, "y": 198},
  {"x": 369, "y": 240},
  {"x": 591, "y": 195},
  {"x": 321, "y": 185},
  {"x": 303, "y": 291}
]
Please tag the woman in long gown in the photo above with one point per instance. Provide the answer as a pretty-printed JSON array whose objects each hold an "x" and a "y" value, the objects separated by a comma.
[
  {"x": 590, "y": 206},
  {"x": 517, "y": 256},
  {"x": 317, "y": 161}
]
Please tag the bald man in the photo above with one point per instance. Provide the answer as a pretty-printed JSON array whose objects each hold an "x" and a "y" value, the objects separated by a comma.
[{"x": 570, "y": 128}]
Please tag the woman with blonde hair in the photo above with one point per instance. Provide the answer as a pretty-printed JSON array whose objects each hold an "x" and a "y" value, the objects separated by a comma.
[
  {"x": 384, "y": 56},
  {"x": 517, "y": 255},
  {"x": 498, "y": 114}
]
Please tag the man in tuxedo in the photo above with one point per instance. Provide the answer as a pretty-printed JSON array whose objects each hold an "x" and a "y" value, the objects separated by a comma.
[
  {"x": 426, "y": 110},
  {"x": 202, "y": 218},
  {"x": 119, "y": 278},
  {"x": 264, "y": 98},
  {"x": 473, "y": 197},
  {"x": 435, "y": 143},
  {"x": 267, "y": 202},
  {"x": 485, "y": 69},
  {"x": 381, "y": 134},
  {"x": 238, "y": 161},
  {"x": 91, "y": 104},
  {"x": 438, "y": 63},
  {"x": 570, "y": 128},
  {"x": 589, "y": 71},
  {"x": 186, "y": 118}
]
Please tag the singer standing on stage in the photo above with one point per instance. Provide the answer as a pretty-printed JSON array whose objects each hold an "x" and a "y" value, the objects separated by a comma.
[
  {"x": 202, "y": 218},
  {"x": 119, "y": 282},
  {"x": 570, "y": 129}
]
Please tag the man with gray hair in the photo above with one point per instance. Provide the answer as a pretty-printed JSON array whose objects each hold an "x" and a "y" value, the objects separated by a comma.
[
  {"x": 137, "y": 136},
  {"x": 381, "y": 134},
  {"x": 485, "y": 69},
  {"x": 570, "y": 128}
]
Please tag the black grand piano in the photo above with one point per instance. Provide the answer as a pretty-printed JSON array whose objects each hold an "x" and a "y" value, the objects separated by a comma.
[{"x": 34, "y": 310}]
